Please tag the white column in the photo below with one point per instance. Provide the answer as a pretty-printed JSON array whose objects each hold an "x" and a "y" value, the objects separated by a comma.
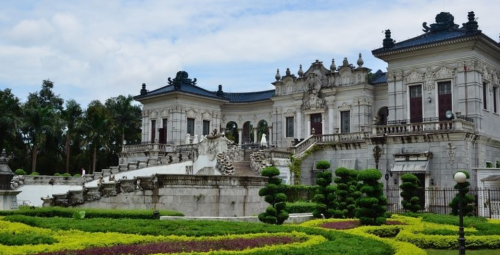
[
  {"x": 255, "y": 135},
  {"x": 299, "y": 123},
  {"x": 331, "y": 118},
  {"x": 308, "y": 128},
  {"x": 270, "y": 138},
  {"x": 240, "y": 135}
]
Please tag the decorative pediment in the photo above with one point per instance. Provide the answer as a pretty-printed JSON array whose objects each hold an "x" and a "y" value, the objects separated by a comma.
[
  {"x": 363, "y": 101},
  {"x": 206, "y": 116},
  {"x": 289, "y": 113},
  {"x": 444, "y": 73},
  {"x": 414, "y": 77},
  {"x": 345, "y": 107},
  {"x": 190, "y": 113}
]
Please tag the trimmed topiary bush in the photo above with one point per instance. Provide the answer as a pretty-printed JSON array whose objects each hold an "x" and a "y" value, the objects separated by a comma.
[
  {"x": 273, "y": 194},
  {"x": 77, "y": 175},
  {"x": 409, "y": 194},
  {"x": 371, "y": 206},
  {"x": 66, "y": 175},
  {"x": 20, "y": 172},
  {"x": 325, "y": 193},
  {"x": 57, "y": 174},
  {"x": 346, "y": 193},
  {"x": 467, "y": 200},
  {"x": 35, "y": 173}
]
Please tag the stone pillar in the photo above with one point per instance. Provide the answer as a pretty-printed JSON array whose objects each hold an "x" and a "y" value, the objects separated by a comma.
[
  {"x": 254, "y": 135},
  {"x": 331, "y": 117},
  {"x": 308, "y": 128},
  {"x": 240, "y": 135},
  {"x": 299, "y": 123},
  {"x": 270, "y": 138}
]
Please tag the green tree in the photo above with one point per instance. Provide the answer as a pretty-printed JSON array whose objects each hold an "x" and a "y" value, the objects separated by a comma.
[
  {"x": 126, "y": 117},
  {"x": 71, "y": 115},
  {"x": 97, "y": 125},
  {"x": 325, "y": 193},
  {"x": 10, "y": 120},
  {"x": 41, "y": 114},
  {"x": 347, "y": 192},
  {"x": 467, "y": 199},
  {"x": 273, "y": 193},
  {"x": 409, "y": 188},
  {"x": 371, "y": 206}
]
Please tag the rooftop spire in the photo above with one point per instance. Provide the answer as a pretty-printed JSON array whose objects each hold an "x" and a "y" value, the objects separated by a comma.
[{"x": 388, "y": 41}]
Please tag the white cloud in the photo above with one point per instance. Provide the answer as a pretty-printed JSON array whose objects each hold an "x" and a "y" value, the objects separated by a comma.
[{"x": 99, "y": 49}]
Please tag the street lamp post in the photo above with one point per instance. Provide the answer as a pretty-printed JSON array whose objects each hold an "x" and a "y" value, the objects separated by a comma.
[{"x": 460, "y": 178}]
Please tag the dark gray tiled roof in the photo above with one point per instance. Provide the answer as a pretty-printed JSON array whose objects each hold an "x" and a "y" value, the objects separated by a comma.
[
  {"x": 238, "y": 97},
  {"x": 379, "y": 77},
  {"x": 245, "y": 97},
  {"x": 429, "y": 38}
]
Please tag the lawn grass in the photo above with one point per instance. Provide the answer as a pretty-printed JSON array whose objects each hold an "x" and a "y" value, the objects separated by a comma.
[{"x": 469, "y": 252}]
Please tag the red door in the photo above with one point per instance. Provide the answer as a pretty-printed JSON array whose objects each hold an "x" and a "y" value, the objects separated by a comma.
[
  {"x": 416, "y": 104},
  {"x": 316, "y": 123},
  {"x": 163, "y": 132},
  {"x": 444, "y": 97}
]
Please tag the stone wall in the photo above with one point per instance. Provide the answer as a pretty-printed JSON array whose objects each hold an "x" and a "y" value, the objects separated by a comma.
[{"x": 218, "y": 196}]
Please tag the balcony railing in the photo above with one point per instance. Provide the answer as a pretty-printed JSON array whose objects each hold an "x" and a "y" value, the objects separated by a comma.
[
  {"x": 328, "y": 138},
  {"x": 148, "y": 147},
  {"x": 430, "y": 125}
]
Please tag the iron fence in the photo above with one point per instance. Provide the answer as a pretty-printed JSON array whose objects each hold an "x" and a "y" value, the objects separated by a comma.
[{"x": 487, "y": 201}]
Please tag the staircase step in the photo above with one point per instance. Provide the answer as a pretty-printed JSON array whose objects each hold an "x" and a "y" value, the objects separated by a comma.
[{"x": 243, "y": 169}]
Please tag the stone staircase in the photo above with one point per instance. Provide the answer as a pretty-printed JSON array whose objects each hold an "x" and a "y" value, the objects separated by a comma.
[{"x": 243, "y": 169}]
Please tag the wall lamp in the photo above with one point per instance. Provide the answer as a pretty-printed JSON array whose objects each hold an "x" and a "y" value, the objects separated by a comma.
[
  {"x": 395, "y": 181},
  {"x": 429, "y": 99}
]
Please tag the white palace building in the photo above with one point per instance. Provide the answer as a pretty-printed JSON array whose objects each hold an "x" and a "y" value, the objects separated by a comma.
[{"x": 435, "y": 111}]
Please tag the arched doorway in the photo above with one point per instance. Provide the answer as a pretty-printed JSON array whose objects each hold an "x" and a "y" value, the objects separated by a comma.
[
  {"x": 262, "y": 129},
  {"x": 382, "y": 115},
  {"x": 231, "y": 132},
  {"x": 247, "y": 135}
]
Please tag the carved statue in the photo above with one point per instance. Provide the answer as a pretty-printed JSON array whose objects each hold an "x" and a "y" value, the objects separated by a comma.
[{"x": 444, "y": 21}]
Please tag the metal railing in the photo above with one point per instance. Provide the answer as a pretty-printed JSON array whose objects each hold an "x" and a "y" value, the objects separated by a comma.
[
  {"x": 487, "y": 201},
  {"x": 328, "y": 138}
]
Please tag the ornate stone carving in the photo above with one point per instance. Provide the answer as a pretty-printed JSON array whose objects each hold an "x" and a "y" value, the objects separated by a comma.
[
  {"x": 467, "y": 152},
  {"x": 444, "y": 73},
  {"x": 313, "y": 85},
  {"x": 414, "y": 77},
  {"x": 345, "y": 107},
  {"x": 451, "y": 152},
  {"x": 363, "y": 101},
  {"x": 429, "y": 80}
]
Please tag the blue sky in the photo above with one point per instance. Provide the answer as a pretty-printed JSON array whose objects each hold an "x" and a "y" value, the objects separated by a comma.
[{"x": 97, "y": 49}]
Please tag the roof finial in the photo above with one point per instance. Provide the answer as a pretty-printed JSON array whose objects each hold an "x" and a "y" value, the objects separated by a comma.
[
  {"x": 220, "y": 93},
  {"x": 288, "y": 73},
  {"x": 277, "y": 76},
  {"x": 333, "y": 67},
  {"x": 388, "y": 41},
  {"x": 143, "y": 90},
  {"x": 471, "y": 25},
  {"x": 300, "y": 73},
  {"x": 360, "y": 61}
]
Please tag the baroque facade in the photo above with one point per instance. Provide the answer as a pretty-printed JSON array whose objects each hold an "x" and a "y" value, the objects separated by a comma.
[{"x": 433, "y": 112}]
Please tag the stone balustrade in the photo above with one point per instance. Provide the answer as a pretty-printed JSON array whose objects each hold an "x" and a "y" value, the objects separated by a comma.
[{"x": 457, "y": 125}]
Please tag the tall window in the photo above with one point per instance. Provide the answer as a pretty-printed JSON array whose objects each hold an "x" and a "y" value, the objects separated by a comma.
[
  {"x": 190, "y": 126},
  {"x": 289, "y": 126},
  {"x": 345, "y": 121},
  {"x": 495, "y": 98},
  {"x": 206, "y": 127},
  {"x": 485, "y": 96},
  {"x": 444, "y": 98},
  {"x": 153, "y": 131},
  {"x": 416, "y": 104}
]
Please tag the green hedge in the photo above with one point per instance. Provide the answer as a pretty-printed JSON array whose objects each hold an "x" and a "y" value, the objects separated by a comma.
[
  {"x": 89, "y": 213},
  {"x": 296, "y": 193},
  {"x": 300, "y": 207},
  {"x": 338, "y": 242}
]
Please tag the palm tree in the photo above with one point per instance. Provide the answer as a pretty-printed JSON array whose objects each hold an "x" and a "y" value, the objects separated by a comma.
[
  {"x": 71, "y": 116},
  {"x": 126, "y": 117},
  {"x": 98, "y": 127}
]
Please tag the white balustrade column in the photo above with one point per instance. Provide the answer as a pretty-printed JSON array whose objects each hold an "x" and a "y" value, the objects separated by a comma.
[
  {"x": 270, "y": 138},
  {"x": 255, "y": 135},
  {"x": 240, "y": 135},
  {"x": 331, "y": 120}
]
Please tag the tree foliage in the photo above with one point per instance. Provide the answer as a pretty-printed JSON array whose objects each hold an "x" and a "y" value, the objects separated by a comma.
[
  {"x": 273, "y": 194},
  {"x": 371, "y": 206},
  {"x": 346, "y": 193},
  {"x": 409, "y": 188},
  {"x": 467, "y": 199},
  {"x": 325, "y": 193}
]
